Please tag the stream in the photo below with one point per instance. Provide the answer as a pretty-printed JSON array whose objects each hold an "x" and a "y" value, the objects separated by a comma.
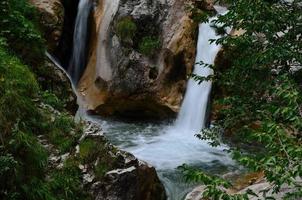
[
  {"x": 162, "y": 147},
  {"x": 169, "y": 144}
]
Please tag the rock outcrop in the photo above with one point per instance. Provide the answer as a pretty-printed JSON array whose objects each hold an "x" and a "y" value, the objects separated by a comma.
[
  {"x": 107, "y": 173},
  {"x": 251, "y": 182},
  {"x": 257, "y": 188},
  {"x": 51, "y": 19},
  {"x": 56, "y": 80},
  {"x": 122, "y": 177},
  {"x": 125, "y": 76}
]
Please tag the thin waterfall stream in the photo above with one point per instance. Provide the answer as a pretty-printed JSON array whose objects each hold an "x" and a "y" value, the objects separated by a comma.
[{"x": 78, "y": 59}]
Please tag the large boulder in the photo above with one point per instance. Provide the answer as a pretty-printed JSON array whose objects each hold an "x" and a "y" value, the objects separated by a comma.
[
  {"x": 119, "y": 69},
  {"x": 123, "y": 176},
  {"x": 139, "y": 181}
]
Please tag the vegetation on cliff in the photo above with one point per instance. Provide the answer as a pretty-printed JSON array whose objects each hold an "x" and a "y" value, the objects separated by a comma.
[
  {"x": 260, "y": 94},
  {"x": 27, "y": 113}
]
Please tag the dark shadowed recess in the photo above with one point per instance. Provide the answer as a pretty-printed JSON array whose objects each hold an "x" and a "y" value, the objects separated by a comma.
[{"x": 64, "y": 49}]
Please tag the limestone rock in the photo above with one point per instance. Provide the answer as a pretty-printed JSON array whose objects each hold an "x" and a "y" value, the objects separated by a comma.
[
  {"x": 196, "y": 193},
  {"x": 153, "y": 83},
  {"x": 258, "y": 187}
]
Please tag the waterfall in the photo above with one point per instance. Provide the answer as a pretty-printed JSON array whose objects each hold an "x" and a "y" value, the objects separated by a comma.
[
  {"x": 177, "y": 144},
  {"x": 192, "y": 115},
  {"x": 78, "y": 59},
  {"x": 167, "y": 146},
  {"x": 193, "y": 110}
]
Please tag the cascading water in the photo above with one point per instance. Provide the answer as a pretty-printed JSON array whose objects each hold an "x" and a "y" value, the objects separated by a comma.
[
  {"x": 78, "y": 59},
  {"x": 168, "y": 146},
  {"x": 192, "y": 115},
  {"x": 179, "y": 145}
]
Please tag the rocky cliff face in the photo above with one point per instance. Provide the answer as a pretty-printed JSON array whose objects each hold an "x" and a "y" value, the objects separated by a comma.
[{"x": 141, "y": 53}]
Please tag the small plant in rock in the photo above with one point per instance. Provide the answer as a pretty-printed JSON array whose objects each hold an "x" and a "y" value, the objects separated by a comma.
[
  {"x": 89, "y": 150},
  {"x": 126, "y": 29},
  {"x": 52, "y": 100},
  {"x": 149, "y": 45}
]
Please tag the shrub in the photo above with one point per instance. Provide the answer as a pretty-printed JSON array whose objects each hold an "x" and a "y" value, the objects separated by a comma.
[
  {"x": 52, "y": 100},
  {"x": 17, "y": 25},
  {"x": 65, "y": 184},
  {"x": 89, "y": 150},
  {"x": 149, "y": 45},
  {"x": 264, "y": 107},
  {"x": 23, "y": 160},
  {"x": 101, "y": 169},
  {"x": 126, "y": 29},
  {"x": 64, "y": 133}
]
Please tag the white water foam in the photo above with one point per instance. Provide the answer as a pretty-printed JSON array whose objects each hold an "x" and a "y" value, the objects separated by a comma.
[{"x": 176, "y": 144}]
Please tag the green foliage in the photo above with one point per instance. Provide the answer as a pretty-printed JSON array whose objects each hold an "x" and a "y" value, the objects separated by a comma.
[
  {"x": 149, "y": 45},
  {"x": 96, "y": 151},
  {"x": 263, "y": 108},
  {"x": 64, "y": 133},
  {"x": 17, "y": 25},
  {"x": 17, "y": 87},
  {"x": 24, "y": 170},
  {"x": 52, "y": 100},
  {"x": 89, "y": 150},
  {"x": 101, "y": 169},
  {"x": 126, "y": 29},
  {"x": 65, "y": 184}
]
